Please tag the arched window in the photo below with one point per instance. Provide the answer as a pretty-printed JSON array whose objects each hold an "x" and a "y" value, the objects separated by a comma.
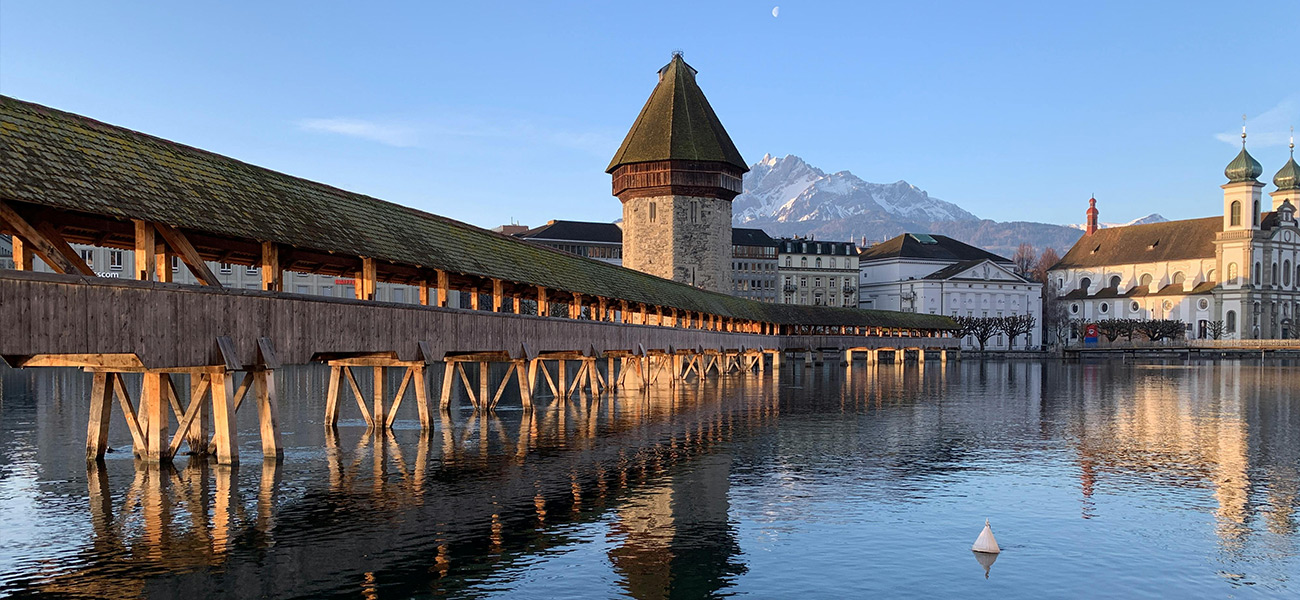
[
  {"x": 1115, "y": 281},
  {"x": 1274, "y": 280},
  {"x": 803, "y": 262},
  {"x": 1286, "y": 273},
  {"x": 1145, "y": 281},
  {"x": 1085, "y": 283},
  {"x": 832, "y": 262},
  {"x": 1254, "y": 217},
  {"x": 1259, "y": 272},
  {"x": 819, "y": 262},
  {"x": 1234, "y": 214},
  {"x": 1179, "y": 278},
  {"x": 789, "y": 261},
  {"x": 1232, "y": 321},
  {"x": 1232, "y": 273},
  {"x": 654, "y": 213}
]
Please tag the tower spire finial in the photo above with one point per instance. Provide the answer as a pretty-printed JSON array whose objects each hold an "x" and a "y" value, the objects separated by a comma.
[
  {"x": 1243, "y": 130},
  {"x": 1292, "y": 144}
]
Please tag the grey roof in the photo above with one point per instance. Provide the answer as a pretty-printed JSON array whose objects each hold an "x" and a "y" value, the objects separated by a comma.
[
  {"x": 741, "y": 236},
  {"x": 957, "y": 268},
  {"x": 576, "y": 231},
  {"x": 677, "y": 123},
  {"x": 909, "y": 245}
]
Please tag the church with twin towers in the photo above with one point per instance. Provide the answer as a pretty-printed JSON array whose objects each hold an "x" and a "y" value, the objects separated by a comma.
[{"x": 1233, "y": 275}]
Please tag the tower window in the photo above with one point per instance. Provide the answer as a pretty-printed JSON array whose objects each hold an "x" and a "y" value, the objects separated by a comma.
[
  {"x": 1234, "y": 214},
  {"x": 654, "y": 213},
  {"x": 1255, "y": 216},
  {"x": 1232, "y": 273},
  {"x": 1232, "y": 321}
]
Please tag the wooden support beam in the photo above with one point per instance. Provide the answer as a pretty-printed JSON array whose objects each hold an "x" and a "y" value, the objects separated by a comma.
[
  {"x": 223, "y": 417},
  {"x": 144, "y": 250},
  {"x": 516, "y": 303},
  {"x": 188, "y": 254},
  {"x": 379, "y": 415},
  {"x": 367, "y": 279},
  {"x": 484, "y": 375},
  {"x": 448, "y": 381},
  {"x": 473, "y": 298},
  {"x": 101, "y": 412},
  {"x": 421, "y": 397},
  {"x": 271, "y": 270},
  {"x": 163, "y": 259},
  {"x": 187, "y": 421},
  {"x": 423, "y": 286},
  {"x": 28, "y": 239},
  {"x": 268, "y": 414},
  {"x": 157, "y": 413},
  {"x": 543, "y": 306},
  {"x": 443, "y": 287},
  {"x": 498, "y": 295},
  {"x": 332, "y": 397},
  {"x": 524, "y": 373},
  {"x": 358, "y": 396},
  {"x": 469, "y": 389},
  {"x": 397, "y": 398}
]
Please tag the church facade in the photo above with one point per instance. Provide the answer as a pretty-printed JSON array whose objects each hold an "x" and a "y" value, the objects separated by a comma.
[{"x": 1234, "y": 275}]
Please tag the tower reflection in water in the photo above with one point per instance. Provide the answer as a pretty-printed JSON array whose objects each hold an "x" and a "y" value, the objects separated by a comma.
[{"x": 401, "y": 512}]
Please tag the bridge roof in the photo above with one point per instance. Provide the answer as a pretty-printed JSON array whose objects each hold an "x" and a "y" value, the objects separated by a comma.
[{"x": 58, "y": 159}]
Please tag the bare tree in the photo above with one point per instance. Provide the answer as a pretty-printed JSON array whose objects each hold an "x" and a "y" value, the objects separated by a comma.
[
  {"x": 1017, "y": 325},
  {"x": 1159, "y": 329},
  {"x": 983, "y": 328},
  {"x": 1215, "y": 329},
  {"x": 1045, "y": 261},
  {"x": 1024, "y": 259},
  {"x": 1056, "y": 316}
]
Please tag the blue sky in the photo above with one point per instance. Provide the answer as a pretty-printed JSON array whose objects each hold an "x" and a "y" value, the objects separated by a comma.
[{"x": 488, "y": 112}]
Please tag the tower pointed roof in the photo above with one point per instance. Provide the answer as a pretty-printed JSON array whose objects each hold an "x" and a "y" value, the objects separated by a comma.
[
  {"x": 1288, "y": 177},
  {"x": 677, "y": 123}
]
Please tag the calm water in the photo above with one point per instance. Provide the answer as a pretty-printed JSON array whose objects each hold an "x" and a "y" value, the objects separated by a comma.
[{"x": 1100, "y": 480}]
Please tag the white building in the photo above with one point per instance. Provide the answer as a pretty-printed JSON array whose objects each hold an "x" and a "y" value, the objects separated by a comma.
[
  {"x": 1240, "y": 268},
  {"x": 935, "y": 274},
  {"x": 817, "y": 273}
]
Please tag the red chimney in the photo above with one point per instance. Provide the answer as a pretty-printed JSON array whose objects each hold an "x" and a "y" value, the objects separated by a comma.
[{"x": 1092, "y": 216}]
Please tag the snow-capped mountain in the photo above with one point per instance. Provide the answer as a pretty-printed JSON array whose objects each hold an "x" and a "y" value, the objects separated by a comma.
[
  {"x": 1151, "y": 218},
  {"x": 787, "y": 196},
  {"x": 788, "y": 190}
]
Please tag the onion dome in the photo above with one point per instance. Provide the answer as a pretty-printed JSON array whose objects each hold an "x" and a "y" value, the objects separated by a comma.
[
  {"x": 1243, "y": 168},
  {"x": 1288, "y": 178}
]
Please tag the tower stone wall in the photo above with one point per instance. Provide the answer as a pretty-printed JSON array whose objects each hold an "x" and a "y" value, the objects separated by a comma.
[{"x": 679, "y": 237}]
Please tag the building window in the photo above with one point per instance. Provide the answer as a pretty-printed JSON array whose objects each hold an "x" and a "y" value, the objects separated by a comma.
[
  {"x": 303, "y": 289},
  {"x": 819, "y": 262},
  {"x": 1179, "y": 278},
  {"x": 1084, "y": 284},
  {"x": 1104, "y": 308},
  {"x": 1254, "y": 217},
  {"x": 1234, "y": 214},
  {"x": 252, "y": 270},
  {"x": 225, "y": 268},
  {"x": 832, "y": 262},
  {"x": 1232, "y": 273},
  {"x": 88, "y": 257},
  {"x": 1115, "y": 281},
  {"x": 115, "y": 260},
  {"x": 1134, "y": 307},
  {"x": 1286, "y": 273},
  {"x": 398, "y": 295},
  {"x": 1273, "y": 281},
  {"x": 1074, "y": 308},
  {"x": 1257, "y": 274},
  {"x": 695, "y": 211},
  {"x": 176, "y": 264},
  {"x": 654, "y": 213},
  {"x": 1203, "y": 304},
  {"x": 1232, "y": 321},
  {"x": 326, "y": 290},
  {"x": 789, "y": 262},
  {"x": 803, "y": 262}
]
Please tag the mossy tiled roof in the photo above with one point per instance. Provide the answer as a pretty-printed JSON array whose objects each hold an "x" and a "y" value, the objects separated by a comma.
[
  {"x": 59, "y": 159},
  {"x": 677, "y": 123}
]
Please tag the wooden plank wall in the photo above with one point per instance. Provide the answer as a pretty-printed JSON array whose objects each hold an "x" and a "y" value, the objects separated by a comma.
[{"x": 173, "y": 325}]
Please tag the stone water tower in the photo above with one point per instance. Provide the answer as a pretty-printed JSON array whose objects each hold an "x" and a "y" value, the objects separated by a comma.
[{"x": 676, "y": 174}]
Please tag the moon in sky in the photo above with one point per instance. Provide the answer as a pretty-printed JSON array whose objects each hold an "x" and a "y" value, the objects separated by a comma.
[{"x": 776, "y": 10}]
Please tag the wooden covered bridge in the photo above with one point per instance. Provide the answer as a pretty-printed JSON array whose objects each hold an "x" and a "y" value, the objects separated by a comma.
[{"x": 559, "y": 322}]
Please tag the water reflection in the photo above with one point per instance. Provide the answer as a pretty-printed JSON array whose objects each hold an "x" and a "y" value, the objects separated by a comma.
[{"x": 675, "y": 492}]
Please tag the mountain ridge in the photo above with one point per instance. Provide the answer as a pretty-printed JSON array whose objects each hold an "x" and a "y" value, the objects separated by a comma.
[{"x": 787, "y": 196}]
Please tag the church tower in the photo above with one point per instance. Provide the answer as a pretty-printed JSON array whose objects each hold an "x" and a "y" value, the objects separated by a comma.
[
  {"x": 676, "y": 174},
  {"x": 1287, "y": 181}
]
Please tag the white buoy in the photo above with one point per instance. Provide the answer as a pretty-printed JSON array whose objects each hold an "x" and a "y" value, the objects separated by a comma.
[{"x": 985, "y": 542}]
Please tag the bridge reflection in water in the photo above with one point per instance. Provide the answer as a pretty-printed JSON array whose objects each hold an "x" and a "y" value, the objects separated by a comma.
[{"x": 479, "y": 493}]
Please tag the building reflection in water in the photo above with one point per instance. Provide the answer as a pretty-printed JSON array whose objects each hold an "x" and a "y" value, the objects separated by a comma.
[{"x": 477, "y": 500}]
